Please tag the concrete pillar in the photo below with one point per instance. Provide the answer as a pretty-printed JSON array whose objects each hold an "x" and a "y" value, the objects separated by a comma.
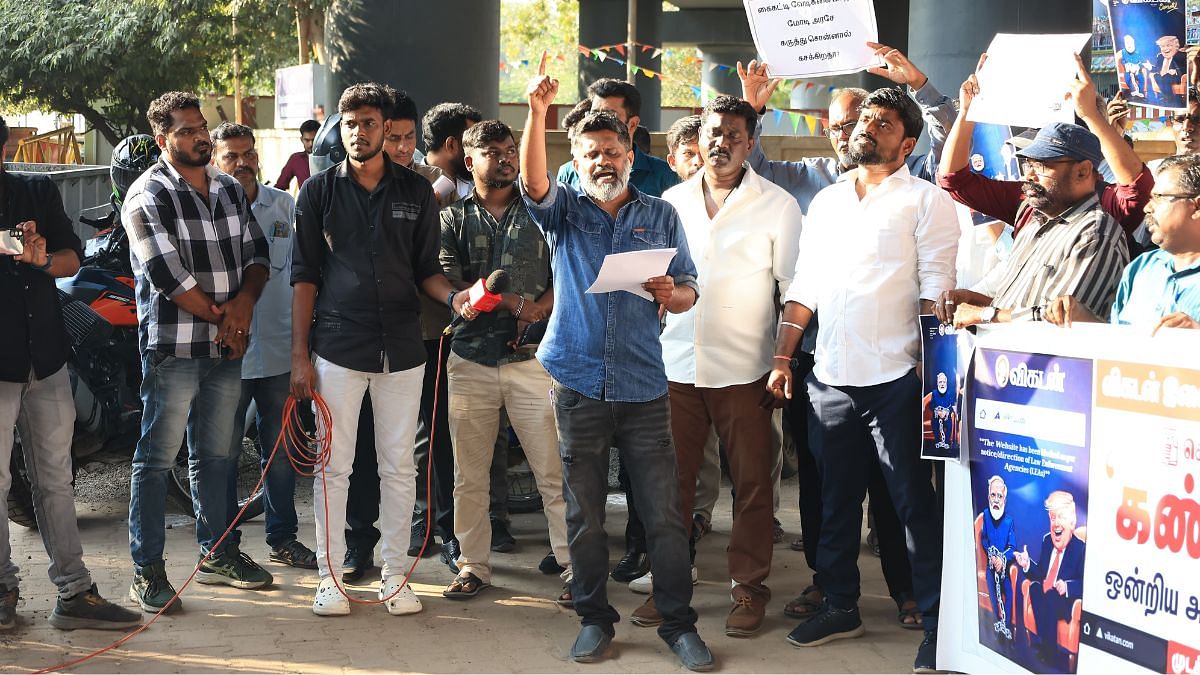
[
  {"x": 947, "y": 36},
  {"x": 721, "y": 80},
  {"x": 436, "y": 51},
  {"x": 604, "y": 22}
]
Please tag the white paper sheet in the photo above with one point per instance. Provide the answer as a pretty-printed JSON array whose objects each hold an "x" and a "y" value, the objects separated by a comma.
[
  {"x": 1026, "y": 79},
  {"x": 628, "y": 271},
  {"x": 807, "y": 38}
]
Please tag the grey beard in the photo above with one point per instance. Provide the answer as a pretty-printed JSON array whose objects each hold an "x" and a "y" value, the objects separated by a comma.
[{"x": 604, "y": 193}]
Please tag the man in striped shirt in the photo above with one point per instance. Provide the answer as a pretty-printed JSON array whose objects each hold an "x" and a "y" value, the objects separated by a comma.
[
  {"x": 1070, "y": 246},
  {"x": 1160, "y": 288}
]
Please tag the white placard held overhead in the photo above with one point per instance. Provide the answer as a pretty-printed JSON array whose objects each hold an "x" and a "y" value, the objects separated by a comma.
[
  {"x": 810, "y": 38},
  {"x": 628, "y": 271},
  {"x": 1012, "y": 91}
]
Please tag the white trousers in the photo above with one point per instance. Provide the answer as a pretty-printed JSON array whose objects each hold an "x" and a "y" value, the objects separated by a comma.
[{"x": 396, "y": 401}]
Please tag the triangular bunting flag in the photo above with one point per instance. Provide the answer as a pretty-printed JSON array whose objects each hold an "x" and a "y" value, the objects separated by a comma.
[
  {"x": 809, "y": 85},
  {"x": 712, "y": 67},
  {"x": 585, "y": 51},
  {"x": 635, "y": 69},
  {"x": 812, "y": 124},
  {"x": 646, "y": 48},
  {"x": 778, "y": 116},
  {"x": 696, "y": 91},
  {"x": 600, "y": 56},
  {"x": 524, "y": 62},
  {"x": 657, "y": 53},
  {"x": 620, "y": 48},
  {"x": 795, "y": 121},
  {"x": 617, "y": 61}
]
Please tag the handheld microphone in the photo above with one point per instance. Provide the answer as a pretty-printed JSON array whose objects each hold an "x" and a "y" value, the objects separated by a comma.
[{"x": 484, "y": 295}]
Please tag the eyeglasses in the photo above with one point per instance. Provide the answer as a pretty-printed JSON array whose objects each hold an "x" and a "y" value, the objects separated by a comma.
[
  {"x": 1179, "y": 121},
  {"x": 1041, "y": 168},
  {"x": 1173, "y": 197},
  {"x": 840, "y": 130}
]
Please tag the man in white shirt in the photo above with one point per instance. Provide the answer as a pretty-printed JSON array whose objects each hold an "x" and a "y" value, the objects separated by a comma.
[
  {"x": 878, "y": 247},
  {"x": 745, "y": 231}
]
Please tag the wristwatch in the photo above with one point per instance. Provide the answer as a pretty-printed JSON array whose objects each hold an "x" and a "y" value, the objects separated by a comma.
[
  {"x": 49, "y": 262},
  {"x": 988, "y": 314}
]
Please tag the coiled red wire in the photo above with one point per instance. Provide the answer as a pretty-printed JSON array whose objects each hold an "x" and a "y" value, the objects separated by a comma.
[{"x": 309, "y": 454}]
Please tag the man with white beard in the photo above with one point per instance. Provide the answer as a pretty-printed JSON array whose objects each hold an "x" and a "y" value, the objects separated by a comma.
[
  {"x": 997, "y": 538},
  {"x": 604, "y": 354}
]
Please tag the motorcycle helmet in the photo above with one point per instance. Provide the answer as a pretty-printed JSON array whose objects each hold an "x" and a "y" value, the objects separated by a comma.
[
  {"x": 327, "y": 146},
  {"x": 130, "y": 160}
]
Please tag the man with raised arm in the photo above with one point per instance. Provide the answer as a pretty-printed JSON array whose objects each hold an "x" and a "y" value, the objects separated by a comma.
[{"x": 603, "y": 352}]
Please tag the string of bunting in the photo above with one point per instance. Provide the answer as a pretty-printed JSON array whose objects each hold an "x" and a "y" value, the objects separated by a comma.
[{"x": 619, "y": 53}]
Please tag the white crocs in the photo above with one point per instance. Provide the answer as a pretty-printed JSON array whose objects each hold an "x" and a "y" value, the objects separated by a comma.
[
  {"x": 329, "y": 601},
  {"x": 645, "y": 583},
  {"x": 405, "y": 602}
]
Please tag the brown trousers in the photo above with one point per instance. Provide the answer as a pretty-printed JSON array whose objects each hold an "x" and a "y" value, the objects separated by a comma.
[{"x": 744, "y": 428}]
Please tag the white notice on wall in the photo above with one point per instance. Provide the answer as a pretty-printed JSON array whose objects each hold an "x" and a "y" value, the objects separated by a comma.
[
  {"x": 808, "y": 38},
  {"x": 1011, "y": 92}
]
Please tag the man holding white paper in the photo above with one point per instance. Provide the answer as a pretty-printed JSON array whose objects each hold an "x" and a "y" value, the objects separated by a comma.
[{"x": 603, "y": 351}]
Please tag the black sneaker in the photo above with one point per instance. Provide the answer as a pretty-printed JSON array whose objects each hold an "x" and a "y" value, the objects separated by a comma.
[
  {"x": 357, "y": 562},
  {"x": 926, "y": 661},
  {"x": 416, "y": 539},
  {"x": 633, "y": 564},
  {"x": 826, "y": 626},
  {"x": 151, "y": 590},
  {"x": 89, "y": 610},
  {"x": 502, "y": 539},
  {"x": 549, "y": 565},
  {"x": 233, "y": 568},
  {"x": 294, "y": 554},
  {"x": 450, "y": 554},
  {"x": 8, "y": 606}
]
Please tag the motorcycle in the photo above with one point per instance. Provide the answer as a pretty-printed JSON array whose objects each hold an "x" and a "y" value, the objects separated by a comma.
[{"x": 99, "y": 310}]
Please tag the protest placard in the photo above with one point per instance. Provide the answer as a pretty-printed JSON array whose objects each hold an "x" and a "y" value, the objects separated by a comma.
[
  {"x": 1148, "y": 41},
  {"x": 808, "y": 38},
  {"x": 1073, "y": 531},
  {"x": 1011, "y": 92},
  {"x": 944, "y": 370}
]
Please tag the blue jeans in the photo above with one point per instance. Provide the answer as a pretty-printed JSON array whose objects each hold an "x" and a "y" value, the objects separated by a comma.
[
  {"x": 182, "y": 398},
  {"x": 269, "y": 395},
  {"x": 849, "y": 430},
  {"x": 587, "y": 428}
]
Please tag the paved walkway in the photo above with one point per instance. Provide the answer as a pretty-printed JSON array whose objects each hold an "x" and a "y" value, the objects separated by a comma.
[{"x": 513, "y": 627}]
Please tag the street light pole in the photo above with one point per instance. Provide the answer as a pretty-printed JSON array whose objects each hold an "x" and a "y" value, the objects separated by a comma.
[{"x": 631, "y": 41}]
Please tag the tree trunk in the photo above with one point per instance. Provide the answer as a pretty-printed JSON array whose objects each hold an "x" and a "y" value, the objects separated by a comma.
[
  {"x": 302, "y": 36},
  {"x": 317, "y": 34}
]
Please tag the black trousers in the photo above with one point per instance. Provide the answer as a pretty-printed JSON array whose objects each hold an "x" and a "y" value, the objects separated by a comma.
[{"x": 893, "y": 551}]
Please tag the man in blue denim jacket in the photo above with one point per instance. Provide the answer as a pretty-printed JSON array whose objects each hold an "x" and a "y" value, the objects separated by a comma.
[{"x": 610, "y": 386}]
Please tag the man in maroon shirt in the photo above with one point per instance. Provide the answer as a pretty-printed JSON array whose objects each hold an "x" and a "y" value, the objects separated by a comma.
[
  {"x": 297, "y": 164},
  {"x": 1125, "y": 201}
]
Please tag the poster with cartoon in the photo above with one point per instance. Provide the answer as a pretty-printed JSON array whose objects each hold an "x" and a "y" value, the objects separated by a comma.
[
  {"x": 1148, "y": 42},
  {"x": 945, "y": 352},
  {"x": 1029, "y": 450}
]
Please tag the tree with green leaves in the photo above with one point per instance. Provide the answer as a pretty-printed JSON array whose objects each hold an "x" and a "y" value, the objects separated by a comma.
[{"x": 107, "y": 59}]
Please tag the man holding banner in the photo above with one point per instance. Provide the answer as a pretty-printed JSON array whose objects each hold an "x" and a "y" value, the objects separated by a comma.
[
  {"x": 1067, "y": 240},
  {"x": 877, "y": 249}
]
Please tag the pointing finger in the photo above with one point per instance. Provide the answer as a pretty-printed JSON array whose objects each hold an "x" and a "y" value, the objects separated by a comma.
[{"x": 542, "y": 64}]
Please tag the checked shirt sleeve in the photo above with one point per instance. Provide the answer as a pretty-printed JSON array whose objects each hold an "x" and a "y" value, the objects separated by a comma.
[{"x": 149, "y": 222}]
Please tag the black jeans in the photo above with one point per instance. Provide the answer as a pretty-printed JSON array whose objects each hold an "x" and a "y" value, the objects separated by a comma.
[
  {"x": 850, "y": 429},
  {"x": 587, "y": 428}
]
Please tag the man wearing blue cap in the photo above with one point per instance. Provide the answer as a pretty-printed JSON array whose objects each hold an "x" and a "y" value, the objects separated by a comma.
[{"x": 1067, "y": 240}]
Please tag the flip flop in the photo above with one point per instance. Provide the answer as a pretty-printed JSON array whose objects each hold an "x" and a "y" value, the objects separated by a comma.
[
  {"x": 465, "y": 585},
  {"x": 908, "y": 611}
]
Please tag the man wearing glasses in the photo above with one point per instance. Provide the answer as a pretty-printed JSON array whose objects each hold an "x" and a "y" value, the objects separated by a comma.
[
  {"x": 1067, "y": 240},
  {"x": 1159, "y": 288}
]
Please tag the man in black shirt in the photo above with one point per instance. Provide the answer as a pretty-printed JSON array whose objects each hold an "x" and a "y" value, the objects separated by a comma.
[
  {"x": 366, "y": 236},
  {"x": 35, "y": 397}
]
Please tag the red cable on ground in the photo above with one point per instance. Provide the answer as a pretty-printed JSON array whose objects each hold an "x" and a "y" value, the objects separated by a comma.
[{"x": 306, "y": 463}]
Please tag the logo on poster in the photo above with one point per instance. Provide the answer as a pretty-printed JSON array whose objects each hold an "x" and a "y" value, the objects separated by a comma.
[{"x": 1002, "y": 371}]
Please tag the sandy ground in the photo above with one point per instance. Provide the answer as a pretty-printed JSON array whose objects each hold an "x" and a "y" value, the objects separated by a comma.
[{"x": 513, "y": 627}]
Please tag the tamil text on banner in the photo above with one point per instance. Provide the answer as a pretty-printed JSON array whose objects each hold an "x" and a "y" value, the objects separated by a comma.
[
  {"x": 1013, "y": 93},
  {"x": 1073, "y": 532},
  {"x": 1148, "y": 43},
  {"x": 807, "y": 38}
]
